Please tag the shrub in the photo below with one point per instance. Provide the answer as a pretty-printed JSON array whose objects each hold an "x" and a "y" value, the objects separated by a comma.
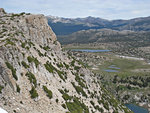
[
  {"x": 61, "y": 91},
  {"x": 18, "y": 88},
  {"x": 23, "y": 45},
  {"x": 106, "y": 106},
  {"x": 49, "y": 67},
  {"x": 60, "y": 65},
  {"x": 78, "y": 79},
  {"x": 46, "y": 48},
  {"x": 32, "y": 59},
  {"x": 74, "y": 108},
  {"x": 79, "y": 90},
  {"x": 32, "y": 78},
  {"x": 24, "y": 64},
  {"x": 8, "y": 41},
  {"x": 82, "y": 75},
  {"x": 64, "y": 106},
  {"x": 66, "y": 96},
  {"x": 76, "y": 68},
  {"x": 92, "y": 102},
  {"x": 57, "y": 100},
  {"x": 66, "y": 91},
  {"x": 72, "y": 63},
  {"x": 33, "y": 92},
  {"x": 67, "y": 66},
  {"x": 1, "y": 87},
  {"x": 52, "y": 54},
  {"x": 49, "y": 92},
  {"x": 12, "y": 70},
  {"x": 39, "y": 52}
]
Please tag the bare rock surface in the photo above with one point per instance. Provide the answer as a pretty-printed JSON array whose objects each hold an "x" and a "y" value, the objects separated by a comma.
[{"x": 36, "y": 76}]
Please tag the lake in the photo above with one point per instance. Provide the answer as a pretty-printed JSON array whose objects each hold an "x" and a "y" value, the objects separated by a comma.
[
  {"x": 136, "y": 109},
  {"x": 112, "y": 68},
  {"x": 90, "y": 50}
]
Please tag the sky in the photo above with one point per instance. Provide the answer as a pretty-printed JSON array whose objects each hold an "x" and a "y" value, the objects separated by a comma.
[{"x": 107, "y": 9}]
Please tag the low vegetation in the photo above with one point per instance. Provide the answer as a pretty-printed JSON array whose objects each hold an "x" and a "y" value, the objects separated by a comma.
[
  {"x": 51, "y": 69},
  {"x": 79, "y": 90},
  {"x": 18, "y": 88},
  {"x": 33, "y": 92},
  {"x": 24, "y": 64},
  {"x": 48, "y": 92},
  {"x": 32, "y": 78},
  {"x": 1, "y": 87},
  {"x": 32, "y": 59},
  {"x": 76, "y": 106},
  {"x": 13, "y": 70}
]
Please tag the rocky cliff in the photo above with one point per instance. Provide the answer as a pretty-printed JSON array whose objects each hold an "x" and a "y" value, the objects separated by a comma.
[{"x": 36, "y": 76}]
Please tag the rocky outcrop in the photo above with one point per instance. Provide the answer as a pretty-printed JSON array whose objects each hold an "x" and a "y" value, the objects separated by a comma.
[{"x": 36, "y": 76}]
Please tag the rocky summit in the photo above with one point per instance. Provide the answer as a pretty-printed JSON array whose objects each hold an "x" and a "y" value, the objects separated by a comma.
[{"x": 36, "y": 76}]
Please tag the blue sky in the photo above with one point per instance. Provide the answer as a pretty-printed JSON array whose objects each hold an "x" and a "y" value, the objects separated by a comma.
[{"x": 107, "y": 9}]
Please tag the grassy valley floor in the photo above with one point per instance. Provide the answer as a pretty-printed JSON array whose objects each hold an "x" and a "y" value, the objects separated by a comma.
[{"x": 128, "y": 78}]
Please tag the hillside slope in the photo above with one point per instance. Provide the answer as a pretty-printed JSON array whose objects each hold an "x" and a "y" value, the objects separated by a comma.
[
  {"x": 107, "y": 35},
  {"x": 36, "y": 76}
]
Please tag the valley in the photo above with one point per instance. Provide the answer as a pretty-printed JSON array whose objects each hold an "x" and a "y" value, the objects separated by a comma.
[
  {"x": 116, "y": 51},
  {"x": 126, "y": 77}
]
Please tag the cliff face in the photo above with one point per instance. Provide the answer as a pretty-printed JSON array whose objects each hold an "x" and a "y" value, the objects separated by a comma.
[{"x": 36, "y": 76}]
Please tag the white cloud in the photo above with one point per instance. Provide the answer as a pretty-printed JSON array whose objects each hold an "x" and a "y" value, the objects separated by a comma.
[{"x": 109, "y": 9}]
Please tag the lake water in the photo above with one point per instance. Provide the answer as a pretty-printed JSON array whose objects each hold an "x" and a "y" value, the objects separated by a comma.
[
  {"x": 113, "y": 67},
  {"x": 136, "y": 109},
  {"x": 110, "y": 70},
  {"x": 91, "y": 51}
]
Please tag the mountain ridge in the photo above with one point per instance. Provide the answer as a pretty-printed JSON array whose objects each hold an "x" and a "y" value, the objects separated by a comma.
[
  {"x": 37, "y": 76},
  {"x": 70, "y": 25}
]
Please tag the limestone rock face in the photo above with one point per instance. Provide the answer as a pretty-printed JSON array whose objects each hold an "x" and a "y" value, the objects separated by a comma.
[{"x": 36, "y": 76}]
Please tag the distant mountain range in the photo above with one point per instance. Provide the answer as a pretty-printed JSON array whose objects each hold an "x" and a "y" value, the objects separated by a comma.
[
  {"x": 66, "y": 26},
  {"x": 133, "y": 38}
]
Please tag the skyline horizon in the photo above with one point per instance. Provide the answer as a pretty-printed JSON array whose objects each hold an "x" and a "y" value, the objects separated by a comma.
[
  {"x": 98, "y": 17},
  {"x": 108, "y": 9},
  {"x": 80, "y": 16}
]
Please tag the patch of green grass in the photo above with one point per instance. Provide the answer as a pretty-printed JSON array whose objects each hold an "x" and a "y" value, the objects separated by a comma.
[{"x": 125, "y": 65}]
